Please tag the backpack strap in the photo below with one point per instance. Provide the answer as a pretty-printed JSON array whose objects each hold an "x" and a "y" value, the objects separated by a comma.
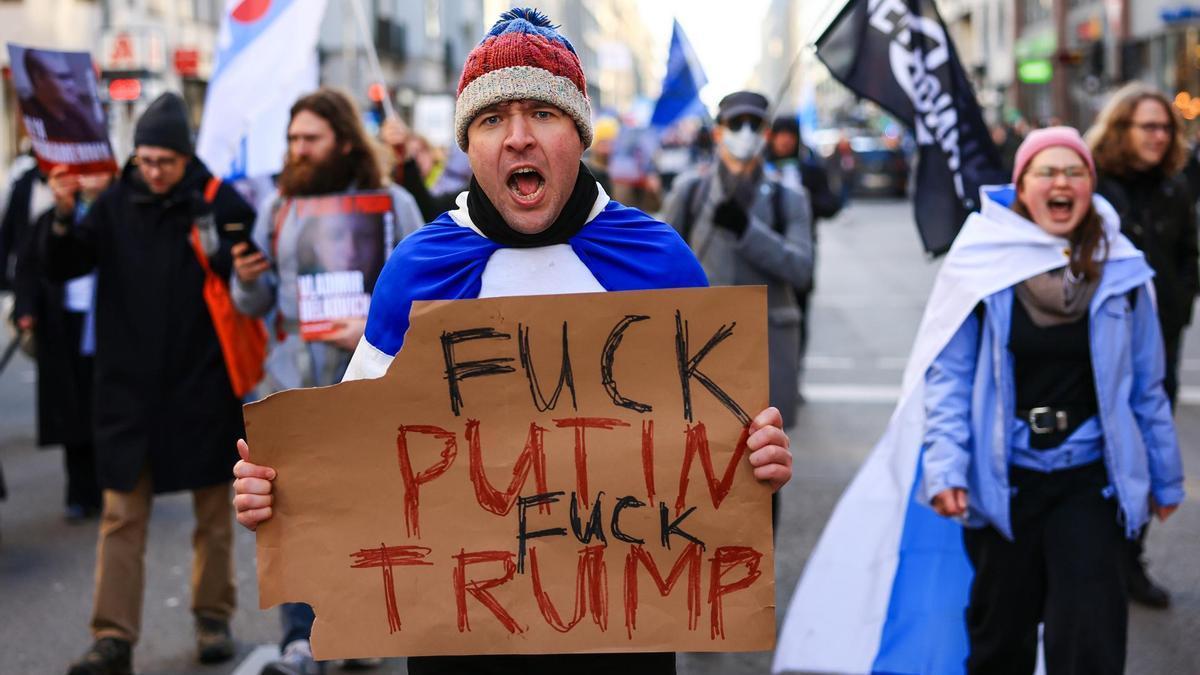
[
  {"x": 281, "y": 209},
  {"x": 690, "y": 206},
  {"x": 779, "y": 223},
  {"x": 211, "y": 188},
  {"x": 210, "y": 195}
]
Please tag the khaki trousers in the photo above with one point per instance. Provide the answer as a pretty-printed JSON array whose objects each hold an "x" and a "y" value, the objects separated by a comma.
[{"x": 121, "y": 552}]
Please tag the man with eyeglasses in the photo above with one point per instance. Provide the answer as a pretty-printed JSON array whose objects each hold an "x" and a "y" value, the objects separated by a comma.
[
  {"x": 1140, "y": 151},
  {"x": 166, "y": 417},
  {"x": 748, "y": 228}
]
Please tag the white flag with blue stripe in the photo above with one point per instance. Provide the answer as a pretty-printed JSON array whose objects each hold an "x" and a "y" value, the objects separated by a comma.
[
  {"x": 266, "y": 58},
  {"x": 886, "y": 588}
]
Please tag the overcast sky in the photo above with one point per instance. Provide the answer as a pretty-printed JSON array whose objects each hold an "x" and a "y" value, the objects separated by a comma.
[{"x": 726, "y": 36}]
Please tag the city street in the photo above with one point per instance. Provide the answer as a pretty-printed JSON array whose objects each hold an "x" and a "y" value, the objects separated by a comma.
[{"x": 872, "y": 283}]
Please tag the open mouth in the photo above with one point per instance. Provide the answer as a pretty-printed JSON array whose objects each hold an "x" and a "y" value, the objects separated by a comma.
[
  {"x": 526, "y": 184},
  {"x": 1061, "y": 207}
]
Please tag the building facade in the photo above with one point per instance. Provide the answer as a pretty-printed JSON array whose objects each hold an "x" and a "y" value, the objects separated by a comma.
[
  {"x": 421, "y": 46},
  {"x": 141, "y": 48}
]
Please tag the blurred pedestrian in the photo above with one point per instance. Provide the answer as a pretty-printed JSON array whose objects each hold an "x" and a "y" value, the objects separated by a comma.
[
  {"x": 1140, "y": 151},
  {"x": 703, "y": 148},
  {"x": 26, "y": 196},
  {"x": 597, "y": 156},
  {"x": 61, "y": 318},
  {"x": 329, "y": 152},
  {"x": 524, "y": 119},
  {"x": 1066, "y": 357},
  {"x": 1007, "y": 141},
  {"x": 845, "y": 165},
  {"x": 747, "y": 227},
  {"x": 631, "y": 170},
  {"x": 1192, "y": 170},
  {"x": 166, "y": 412},
  {"x": 412, "y": 170},
  {"x": 798, "y": 168}
]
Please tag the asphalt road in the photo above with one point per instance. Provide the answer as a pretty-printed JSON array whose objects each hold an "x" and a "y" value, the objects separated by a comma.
[{"x": 872, "y": 284}]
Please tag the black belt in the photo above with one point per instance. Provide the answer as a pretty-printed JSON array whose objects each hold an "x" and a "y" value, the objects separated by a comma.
[{"x": 1055, "y": 421}]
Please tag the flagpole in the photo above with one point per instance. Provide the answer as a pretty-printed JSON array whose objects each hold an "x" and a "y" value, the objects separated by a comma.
[
  {"x": 823, "y": 21},
  {"x": 373, "y": 58}
]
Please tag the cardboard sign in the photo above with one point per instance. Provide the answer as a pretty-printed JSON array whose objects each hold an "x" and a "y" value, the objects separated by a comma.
[
  {"x": 341, "y": 242},
  {"x": 533, "y": 475},
  {"x": 56, "y": 92}
]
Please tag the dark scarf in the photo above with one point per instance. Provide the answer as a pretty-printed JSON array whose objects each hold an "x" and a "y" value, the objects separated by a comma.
[
  {"x": 741, "y": 186},
  {"x": 569, "y": 222}
]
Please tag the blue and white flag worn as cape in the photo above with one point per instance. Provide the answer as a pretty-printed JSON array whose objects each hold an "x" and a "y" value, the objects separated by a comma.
[
  {"x": 886, "y": 588},
  {"x": 618, "y": 249}
]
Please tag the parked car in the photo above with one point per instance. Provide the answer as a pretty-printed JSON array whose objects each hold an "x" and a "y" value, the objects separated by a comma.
[
  {"x": 881, "y": 168},
  {"x": 877, "y": 167}
]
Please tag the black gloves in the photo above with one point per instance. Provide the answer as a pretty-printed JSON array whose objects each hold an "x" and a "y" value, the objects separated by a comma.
[{"x": 730, "y": 215}]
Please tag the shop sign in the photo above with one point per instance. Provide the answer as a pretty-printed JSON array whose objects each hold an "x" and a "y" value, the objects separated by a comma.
[
  {"x": 1035, "y": 71},
  {"x": 1179, "y": 13},
  {"x": 132, "y": 50},
  {"x": 187, "y": 62}
]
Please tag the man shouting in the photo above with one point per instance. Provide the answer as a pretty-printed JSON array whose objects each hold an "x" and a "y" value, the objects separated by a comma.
[{"x": 534, "y": 221}]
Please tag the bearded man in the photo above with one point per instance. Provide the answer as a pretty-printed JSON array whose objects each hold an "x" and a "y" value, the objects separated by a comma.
[{"x": 328, "y": 152}]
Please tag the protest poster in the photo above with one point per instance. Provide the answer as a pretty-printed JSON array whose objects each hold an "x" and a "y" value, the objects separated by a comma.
[
  {"x": 543, "y": 474},
  {"x": 56, "y": 92},
  {"x": 341, "y": 242}
]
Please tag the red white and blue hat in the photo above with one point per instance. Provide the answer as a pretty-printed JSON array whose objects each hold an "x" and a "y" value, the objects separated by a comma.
[{"x": 523, "y": 57}]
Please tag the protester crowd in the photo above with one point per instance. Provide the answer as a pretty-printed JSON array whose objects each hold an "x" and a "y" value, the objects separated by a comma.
[{"x": 158, "y": 299}]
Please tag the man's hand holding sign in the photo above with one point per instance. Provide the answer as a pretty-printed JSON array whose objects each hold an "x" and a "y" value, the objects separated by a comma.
[
  {"x": 546, "y": 475},
  {"x": 542, "y": 474}
]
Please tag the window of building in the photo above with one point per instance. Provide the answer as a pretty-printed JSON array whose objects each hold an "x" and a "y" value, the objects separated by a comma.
[{"x": 1034, "y": 11}]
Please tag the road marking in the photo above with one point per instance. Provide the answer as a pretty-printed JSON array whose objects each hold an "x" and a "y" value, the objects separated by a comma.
[
  {"x": 851, "y": 393},
  {"x": 882, "y": 393},
  {"x": 256, "y": 659},
  {"x": 825, "y": 362},
  {"x": 831, "y": 362},
  {"x": 846, "y": 301}
]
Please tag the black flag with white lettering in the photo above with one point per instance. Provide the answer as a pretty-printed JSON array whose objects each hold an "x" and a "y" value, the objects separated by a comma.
[{"x": 898, "y": 54}]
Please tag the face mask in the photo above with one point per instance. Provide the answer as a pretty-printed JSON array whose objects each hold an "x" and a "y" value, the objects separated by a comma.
[{"x": 743, "y": 143}]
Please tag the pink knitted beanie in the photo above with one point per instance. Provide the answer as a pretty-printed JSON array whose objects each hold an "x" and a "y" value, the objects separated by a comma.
[{"x": 1051, "y": 137}]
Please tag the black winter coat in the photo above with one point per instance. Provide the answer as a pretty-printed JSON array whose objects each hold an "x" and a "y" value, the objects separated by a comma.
[
  {"x": 1158, "y": 215},
  {"x": 15, "y": 226},
  {"x": 162, "y": 395},
  {"x": 64, "y": 385}
]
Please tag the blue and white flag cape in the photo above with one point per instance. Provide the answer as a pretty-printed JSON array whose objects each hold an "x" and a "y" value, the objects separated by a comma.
[
  {"x": 266, "y": 59},
  {"x": 623, "y": 248},
  {"x": 886, "y": 588}
]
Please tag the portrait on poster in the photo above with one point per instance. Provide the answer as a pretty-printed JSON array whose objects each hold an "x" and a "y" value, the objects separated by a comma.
[
  {"x": 60, "y": 108},
  {"x": 340, "y": 251}
]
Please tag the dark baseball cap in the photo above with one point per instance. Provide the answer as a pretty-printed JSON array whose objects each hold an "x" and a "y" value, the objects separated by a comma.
[{"x": 742, "y": 103}]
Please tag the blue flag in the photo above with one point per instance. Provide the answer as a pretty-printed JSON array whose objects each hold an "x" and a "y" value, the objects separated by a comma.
[{"x": 681, "y": 87}]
